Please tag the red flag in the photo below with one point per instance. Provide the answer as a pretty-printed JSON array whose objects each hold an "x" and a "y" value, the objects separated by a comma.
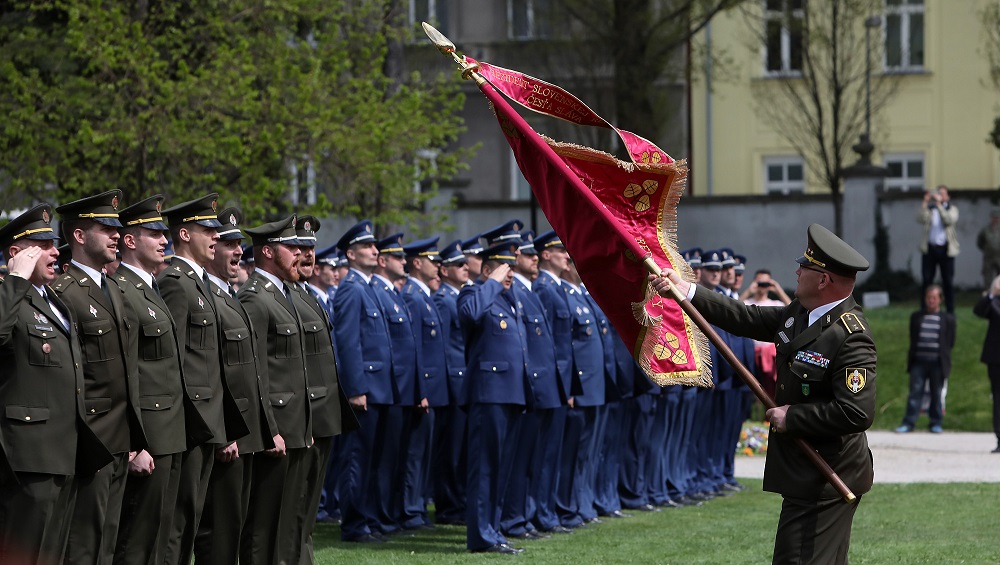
[{"x": 610, "y": 214}]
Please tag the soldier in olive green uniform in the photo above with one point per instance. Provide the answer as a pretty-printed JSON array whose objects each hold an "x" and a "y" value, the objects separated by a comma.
[
  {"x": 44, "y": 439},
  {"x": 229, "y": 490},
  {"x": 185, "y": 290},
  {"x": 170, "y": 420},
  {"x": 111, "y": 388},
  {"x": 825, "y": 394},
  {"x": 268, "y": 535},
  {"x": 327, "y": 404}
]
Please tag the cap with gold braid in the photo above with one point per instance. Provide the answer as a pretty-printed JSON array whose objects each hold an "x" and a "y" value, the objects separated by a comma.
[
  {"x": 282, "y": 231},
  {"x": 201, "y": 211},
  {"x": 392, "y": 245},
  {"x": 102, "y": 208},
  {"x": 359, "y": 233},
  {"x": 424, "y": 248},
  {"x": 145, "y": 214},
  {"x": 230, "y": 218},
  {"x": 828, "y": 252},
  {"x": 503, "y": 252},
  {"x": 36, "y": 223}
]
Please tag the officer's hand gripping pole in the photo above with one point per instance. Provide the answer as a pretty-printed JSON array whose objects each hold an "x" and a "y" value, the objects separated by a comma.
[{"x": 831, "y": 476}]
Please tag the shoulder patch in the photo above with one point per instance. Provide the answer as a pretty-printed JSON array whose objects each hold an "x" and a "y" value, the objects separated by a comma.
[
  {"x": 852, "y": 323},
  {"x": 855, "y": 379}
]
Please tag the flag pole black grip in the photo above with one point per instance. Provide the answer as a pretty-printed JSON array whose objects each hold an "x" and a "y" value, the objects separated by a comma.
[{"x": 831, "y": 476}]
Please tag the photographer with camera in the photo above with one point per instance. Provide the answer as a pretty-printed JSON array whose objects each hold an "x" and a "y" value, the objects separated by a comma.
[
  {"x": 759, "y": 293},
  {"x": 939, "y": 246}
]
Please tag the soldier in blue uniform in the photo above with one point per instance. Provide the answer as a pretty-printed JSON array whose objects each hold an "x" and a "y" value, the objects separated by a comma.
[
  {"x": 576, "y": 477},
  {"x": 422, "y": 261},
  {"x": 497, "y": 391},
  {"x": 553, "y": 260},
  {"x": 364, "y": 351},
  {"x": 389, "y": 276},
  {"x": 450, "y": 430}
]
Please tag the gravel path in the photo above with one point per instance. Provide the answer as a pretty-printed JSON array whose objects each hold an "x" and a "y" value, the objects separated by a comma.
[{"x": 919, "y": 457}]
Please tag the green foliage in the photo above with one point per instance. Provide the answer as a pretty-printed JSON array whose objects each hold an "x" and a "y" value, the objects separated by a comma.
[
  {"x": 908, "y": 523},
  {"x": 183, "y": 98}
]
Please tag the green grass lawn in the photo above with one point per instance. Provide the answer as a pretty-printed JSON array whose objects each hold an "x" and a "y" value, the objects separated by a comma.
[
  {"x": 968, "y": 406},
  {"x": 905, "y": 524}
]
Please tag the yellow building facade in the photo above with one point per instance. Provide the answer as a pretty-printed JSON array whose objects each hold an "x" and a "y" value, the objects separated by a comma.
[{"x": 932, "y": 131}]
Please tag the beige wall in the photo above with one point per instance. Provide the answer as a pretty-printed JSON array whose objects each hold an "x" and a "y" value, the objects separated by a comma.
[{"x": 944, "y": 113}]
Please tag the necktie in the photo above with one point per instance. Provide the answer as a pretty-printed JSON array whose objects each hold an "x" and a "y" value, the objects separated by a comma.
[
  {"x": 288, "y": 295},
  {"x": 105, "y": 289},
  {"x": 58, "y": 313},
  {"x": 206, "y": 286},
  {"x": 156, "y": 287},
  {"x": 232, "y": 292}
]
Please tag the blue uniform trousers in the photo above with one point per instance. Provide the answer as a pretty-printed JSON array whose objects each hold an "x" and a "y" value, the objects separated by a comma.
[
  {"x": 574, "y": 493},
  {"x": 450, "y": 465},
  {"x": 357, "y": 485},
  {"x": 680, "y": 451},
  {"x": 638, "y": 421},
  {"x": 518, "y": 502},
  {"x": 491, "y": 439},
  {"x": 329, "y": 505},
  {"x": 656, "y": 476},
  {"x": 387, "y": 466},
  {"x": 606, "y": 499},
  {"x": 416, "y": 468},
  {"x": 544, "y": 470}
]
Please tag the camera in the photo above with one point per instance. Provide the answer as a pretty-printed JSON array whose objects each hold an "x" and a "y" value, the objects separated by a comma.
[{"x": 764, "y": 284}]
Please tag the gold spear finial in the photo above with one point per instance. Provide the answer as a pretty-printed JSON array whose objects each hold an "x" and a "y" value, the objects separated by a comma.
[{"x": 446, "y": 47}]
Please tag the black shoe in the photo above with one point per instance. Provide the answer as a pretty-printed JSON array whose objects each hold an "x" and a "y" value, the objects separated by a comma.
[
  {"x": 422, "y": 527},
  {"x": 559, "y": 530},
  {"x": 648, "y": 508},
  {"x": 618, "y": 514},
  {"x": 535, "y": 534},
  {"x": 670, "y": 503},
  {"x": 594, "y": 520},
  {"x": 367, "y": 538},
  {"x": 498, "y": 548},
  {"x": 380, "y": 536},
  {"x": 523, "y": 535},
  {"x": 997, "y": 449},
  {"x": 688, "y": 501},
  {"x": 515, "y": 549},
  {"x": 734, "y": 487},
  {"x": 700, "y": 496}
]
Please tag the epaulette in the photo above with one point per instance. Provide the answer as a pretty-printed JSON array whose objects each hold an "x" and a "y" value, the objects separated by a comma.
[
  {"x": 851, "y": 322},
  {"x": 62, "y": 282},
  {"x": 174, "y": 271},
  {"x": 251, "y": 288}
]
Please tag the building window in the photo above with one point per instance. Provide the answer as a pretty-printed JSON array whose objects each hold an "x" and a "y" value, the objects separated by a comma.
[
  {"x": 906, "y": 172},
  {"x": 784, "y": 175},
  {"x": 519, "y": 187},
  {"x": 783, "y": 36},
  {"x": 904, "y": 34},
  {"x": 434, "y": 12},
  {"x": 526, "y": 19}
]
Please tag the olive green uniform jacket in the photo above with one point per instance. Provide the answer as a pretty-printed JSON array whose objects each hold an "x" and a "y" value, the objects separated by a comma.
[{"x": 826, "y": 374}]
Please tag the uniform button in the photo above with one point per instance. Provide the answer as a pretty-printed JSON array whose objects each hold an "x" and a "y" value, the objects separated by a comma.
[
  {"x": 427, "y": 375},
  {"x": 460, "y": 373},
  {"x": 239, "y": 336},
  {"x": 157, "y": 330},
  {"x": 288, "y": 331},
  {"x": 197, "y": 396},
  {"x": 494, "y": 368},
  {"x": 93, "y": 411},
  {"x": 78, "y": 392},
  {"x": 534, "y": 375},
  {"x": 312, "y": 395},
  {"x": 281, "y": 402},
  {"x": 45, "y": 334},
  {"x": 27, "y": 418},
  {"x": 579, "y": 372},
  {"x": 157, "y": 405},
  {"x": 204, "y": 321},
  {"x": 782, "y": 387},
  {"x": 370, "y": 368},
  {"x": 99, "y": 332}
]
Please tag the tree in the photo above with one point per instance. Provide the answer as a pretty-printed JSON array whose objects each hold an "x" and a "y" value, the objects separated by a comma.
[
  {"x": 242, "y": 98},
  {"x": 991, "y": 29},
  {"x": 815, "y": 96}
]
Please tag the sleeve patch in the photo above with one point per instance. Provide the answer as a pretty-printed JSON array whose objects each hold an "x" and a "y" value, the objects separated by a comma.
[
  {"x": 856, "y": 379},
  {"x": 852, "y": 323}
]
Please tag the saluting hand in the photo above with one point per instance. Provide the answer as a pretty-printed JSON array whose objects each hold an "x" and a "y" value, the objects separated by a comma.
[{"x": 24, "y": 262}]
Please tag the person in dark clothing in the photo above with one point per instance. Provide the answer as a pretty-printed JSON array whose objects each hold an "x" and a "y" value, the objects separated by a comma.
[
  {"x": 989, "y": 307},
  {"x": 932, "y": 337}
]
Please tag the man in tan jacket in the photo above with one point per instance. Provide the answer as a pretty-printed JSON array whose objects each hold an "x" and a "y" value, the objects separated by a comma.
[{"x": 939, "y": 246}]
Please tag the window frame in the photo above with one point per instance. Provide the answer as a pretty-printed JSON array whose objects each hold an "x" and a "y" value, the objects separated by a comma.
[
  {"x": 437, "y": 14},
  {"x": 905, "y": 183},
  {"x": 783, "y": 17},
  {"x": 785, "y": 186},
  {"x": 905, "y": 10},
  {"x": 535, "y": 29}
]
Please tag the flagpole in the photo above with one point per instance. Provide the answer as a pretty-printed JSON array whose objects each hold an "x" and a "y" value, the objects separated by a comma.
[{"x": 470, "y": 71}]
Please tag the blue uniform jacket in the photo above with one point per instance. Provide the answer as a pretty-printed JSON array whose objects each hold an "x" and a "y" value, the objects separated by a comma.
[
  {"x": 404, "y": 348},
  {"x": 541, "y": 354},
  {"x": 494, "y": 345},
  {"x": 588, "y": 351},
  {"x": 446, "y": 299},
  {"x": 611, "y": 392},
  {"x": 428, "y": 335},
  {"x": 556, "y": 304},
  {"x": 362, "y": 340}
]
